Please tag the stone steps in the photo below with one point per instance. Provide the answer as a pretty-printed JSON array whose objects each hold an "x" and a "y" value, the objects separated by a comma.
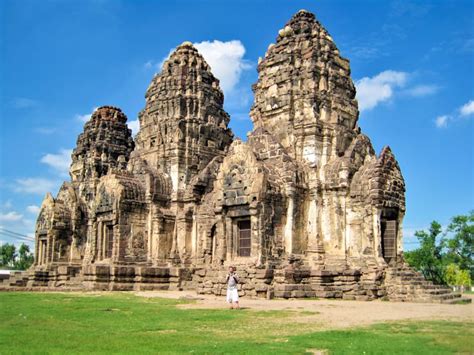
[{"x": 407, "y": 285}]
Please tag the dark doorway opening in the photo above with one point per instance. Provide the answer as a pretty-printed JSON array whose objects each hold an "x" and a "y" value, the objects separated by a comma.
[
  {"x": 244, "y": 236},
  {"x": 389, "y": 226}
]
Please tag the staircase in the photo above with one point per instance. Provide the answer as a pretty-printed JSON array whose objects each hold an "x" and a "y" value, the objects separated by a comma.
[{"x": 404, "y": 284}]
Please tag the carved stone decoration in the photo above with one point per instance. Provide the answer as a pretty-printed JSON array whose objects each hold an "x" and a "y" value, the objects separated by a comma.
[
  {"x": 304, "y": 208},
  {"x": 179, "y": 102},
  {"x": 138, "y": 246}
]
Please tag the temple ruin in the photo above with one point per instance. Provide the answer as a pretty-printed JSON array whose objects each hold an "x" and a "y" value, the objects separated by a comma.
[{"x": 303, "y": 208}]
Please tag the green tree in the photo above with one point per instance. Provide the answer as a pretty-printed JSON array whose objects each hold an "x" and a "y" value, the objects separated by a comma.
[
  {"x": 428, "y": 258},
  {"x": 464, "y": 278},
  {"x": 459, "y": 242},
  {"x": 451, "y": 274},
  {"x": 25, "y": 258},
  {"x": 7, "y": 255}
]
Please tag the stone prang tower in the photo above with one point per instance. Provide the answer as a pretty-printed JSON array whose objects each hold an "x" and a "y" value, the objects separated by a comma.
[{"x": 304, "y": 208}]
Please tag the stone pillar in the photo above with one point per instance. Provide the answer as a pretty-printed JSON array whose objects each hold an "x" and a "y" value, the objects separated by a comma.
[
  {"x": 150, "y": 232},
  {"x": 73, "y": 248},
  {"x": 37, "y": 248},
  {"x": 100, "y": 256},
  {"x": 39, "y": 253},
  {"x": 342, "y": 224},
  {"x": 220, "y": 241},
  {"x": 174, "y": 244},
  {"x": 156, "y": 229},
  {"x": 377, "y": 231},
  {"x": 181, "y": 236},
  {"x": 116, "y": 243},
  {"x": 229, "y": 238},
  {"x": 312, "y": 222},
  {"x": 399, "y": 235},
  {"x": 44, "y": 252},
  {"x": 315, "y": 245},
  {"x": 194, "y": 237},
  {"x": 289, "y": 222},
  {"x": 51, "y": 247},
  {"x": 256, "y": 236}
]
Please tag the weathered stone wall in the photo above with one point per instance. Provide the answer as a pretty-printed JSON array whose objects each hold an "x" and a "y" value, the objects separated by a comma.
[{"x": 304, "y": 208}]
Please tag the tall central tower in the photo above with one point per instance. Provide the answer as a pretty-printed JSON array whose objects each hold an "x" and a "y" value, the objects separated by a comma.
[{"x": 305, "y": 96}]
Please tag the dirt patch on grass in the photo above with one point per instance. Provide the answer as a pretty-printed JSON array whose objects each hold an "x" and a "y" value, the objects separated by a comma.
[{"x": 330, "y": 313}]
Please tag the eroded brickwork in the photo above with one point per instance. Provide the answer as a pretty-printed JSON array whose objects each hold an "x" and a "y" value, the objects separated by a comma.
[{"x": 304, "y": 208}]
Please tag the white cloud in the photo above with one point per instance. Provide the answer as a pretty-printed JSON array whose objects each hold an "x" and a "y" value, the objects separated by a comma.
[
  {"x": 86, "y": 117},
  {"x": 148, "y": 65},
  {"x": 380, "y": 88},
  {"x": 467, "y": 109},
  {"x": 33, "y": 209},
  {"x": 442, "y": 121},
  {"x": 240, "y": 116},
  {"x": 59, "y": 162},
  {"x": 6, "y": 205},
  {"x": 28, "y": 223},
  {"x": 24, "y": 102},
  {"x": 39, "y": 186},
  {"x": 45, "y": 130},
  {"x": 10, "y": 216},
  {"x": 134, "y": 126},
  {"x": 151, "y": 64},
  {"x": 423, "y": 90},
  {"x": 226, "y": 60}
]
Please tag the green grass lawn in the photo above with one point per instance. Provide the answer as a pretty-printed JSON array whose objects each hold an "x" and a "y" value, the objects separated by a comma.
[{"x": 124, "y": 323}]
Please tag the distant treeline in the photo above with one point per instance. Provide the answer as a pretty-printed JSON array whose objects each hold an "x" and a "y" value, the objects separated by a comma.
[{"x": 11, "y": 259}]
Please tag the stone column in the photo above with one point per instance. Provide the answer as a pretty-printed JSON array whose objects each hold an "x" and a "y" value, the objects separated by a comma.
[
  {"x": 377, "y": 230},
  {"x": 399, "y": 235},
  {"x": 256, "y": 235},
  {"x": 116, "y": 241},
  {"x": 289, "y": 221},
  {"x": 315, "y": 245},
  {"x": 39, "y": 253},
  {"x": 44, "y": 252},
  {"x": 150, "y": 231},
  {"x": 312, "y": 222},
  {"x": 37, "y": 247},
  {"x": 229, "y": 237},
  {"x": 100, "y": 256},
  {"x": 342, "y": 200},
  {"x": 51, "y": 252},
  {"x": 194, "y": 236},
  {"x": 173, "y": 253},
  {"x": 181, "y": 234}
]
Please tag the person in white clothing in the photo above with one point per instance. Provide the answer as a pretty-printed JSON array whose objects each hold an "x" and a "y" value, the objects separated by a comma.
[{"x": 232, "y": 280}]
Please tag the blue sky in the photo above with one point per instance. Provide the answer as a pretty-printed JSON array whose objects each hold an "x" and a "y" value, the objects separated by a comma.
[{"x": 412, "y": 63}]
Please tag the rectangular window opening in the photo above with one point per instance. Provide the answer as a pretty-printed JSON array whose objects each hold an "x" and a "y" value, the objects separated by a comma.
[
  {"x": 109, "y": 240},
  {"x": 244, "y": 237}
]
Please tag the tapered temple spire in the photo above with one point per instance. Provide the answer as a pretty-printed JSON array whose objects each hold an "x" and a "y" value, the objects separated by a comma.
[{"x": 303, "y": 208}]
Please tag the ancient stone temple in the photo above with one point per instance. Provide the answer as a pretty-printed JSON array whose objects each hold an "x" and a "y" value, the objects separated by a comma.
[{"x": 304, "y": 208}]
